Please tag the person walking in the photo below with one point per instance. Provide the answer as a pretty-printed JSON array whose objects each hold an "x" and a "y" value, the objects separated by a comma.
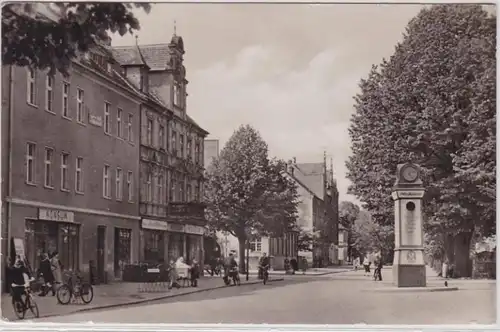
[
  {"x": 57, "y": 269},
  {"x": 366, "y": 265},
  {"x": 45, "y": 271}
]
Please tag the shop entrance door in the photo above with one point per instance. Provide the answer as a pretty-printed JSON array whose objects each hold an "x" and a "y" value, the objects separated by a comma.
[
  {"x": 101, "y": 247},
  {"x": 122, "y": 250}
]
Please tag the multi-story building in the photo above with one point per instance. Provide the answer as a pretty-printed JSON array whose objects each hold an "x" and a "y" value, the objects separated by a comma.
[
  {"x": 69, "y": 151},
  {"x": 318, "y": 210},
  {"x": 171, "y": 154}
]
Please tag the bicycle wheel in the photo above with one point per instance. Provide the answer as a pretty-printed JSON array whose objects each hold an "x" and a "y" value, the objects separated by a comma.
[
  {"x": 19, "y": 309},
  {"x": 264, "y": 279},
  {"x": 86, "y": 292},
  {"x": 33, "y": 306},
  {"x": 64, "y": 294}
]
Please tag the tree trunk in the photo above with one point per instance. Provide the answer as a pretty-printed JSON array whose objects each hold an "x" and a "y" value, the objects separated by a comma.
[
  {"x": 449, "y": 249},
  {"x": 462, "y": 255},
  {"x": 242, "y": 253}
]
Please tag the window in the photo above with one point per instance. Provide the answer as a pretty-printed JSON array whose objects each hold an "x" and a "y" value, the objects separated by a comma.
[
  {"x": 49, "y": 153},
  {"x": 149, "y": 188},
  {"x": 30, "y": 163},
  {"x": 141, "y": 81},
  {"x": 119, "y": 184},
  {"x": 174, "y": 142},
  {"x": 256, "y": 246},
  {"x": 160, "y": 189},
  {"x": 79, "y": 175},
  {"x": 49, "y": 95},
  {"x": 149, "y": 133},
  {"x": 129, "y": 126},
  {"x": 197, "y": 153},
  {"x": 79, "y": 105},
  {"x": 65, "y": 99},
  {"x": 64, "y": 171},
  {"x": 106, "y": 182},
  {"x": 189, "y": 192},
  {"x": 171, "y": 193},
  {"x": 161, "y": 137},
  {"x": 31, "y": 87},
  {"x": 181, "y": 147},
  {"x": 177, "y": 95},
  {"x": 197, "y": 191},
  {"x": 107, "y": 106},
  {"x": 130, "y": 186},
  {"x": 181, "y": 188},
  {"x": 119, "y": 123},
  {"x": 189, "y": 146}
]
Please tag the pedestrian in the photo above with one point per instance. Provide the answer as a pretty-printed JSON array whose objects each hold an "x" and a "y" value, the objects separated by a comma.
[
  {"x": 45, "y": 271},
  {"x": 173, "y": 275},
  {"x": 366, "y": 265},
  {"x": 377, "y": 275},
  {"x": 57, "y": 269},
  {"x": 194, "y": 273},
  {"x": 294, "y": 264}
]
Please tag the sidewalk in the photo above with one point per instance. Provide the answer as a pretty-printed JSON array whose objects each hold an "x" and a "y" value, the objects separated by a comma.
[
  {"x": 313, "y": 271},
  {"x": 115, "y": 295}
]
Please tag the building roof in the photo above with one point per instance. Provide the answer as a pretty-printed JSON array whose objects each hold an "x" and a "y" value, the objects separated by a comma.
[
  {"x": 156, "y": 56},
  {"x": 312, "y": 176},
  {"x": 131, "y": 57}
]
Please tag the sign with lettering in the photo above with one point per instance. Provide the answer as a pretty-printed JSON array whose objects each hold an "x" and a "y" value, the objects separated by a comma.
[
  {"x": 175, "y": 228},
  {"x": 410, "y": 194},
  {"x": 19, "y": 248},
  {"x": 95, "y": 120},
  {"x": 56, "y": 215},
  {"x": 154, "y": 224},
  {"x": 192, "y": 229}
]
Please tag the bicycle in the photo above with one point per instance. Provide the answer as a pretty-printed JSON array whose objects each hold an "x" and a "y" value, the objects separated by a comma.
[
  {"x": 74, "y": 290},
  {"x": 20, "y": 306},
  {"x": 377, "y": 275}
]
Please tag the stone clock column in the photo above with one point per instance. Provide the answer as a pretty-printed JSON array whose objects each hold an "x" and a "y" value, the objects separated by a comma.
[{"x": 408, "y": 267}]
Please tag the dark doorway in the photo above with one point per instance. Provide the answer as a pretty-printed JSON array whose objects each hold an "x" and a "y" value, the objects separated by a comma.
[
  {"x": 101, "y": 249},
  {"x": 122, "y": 250}
]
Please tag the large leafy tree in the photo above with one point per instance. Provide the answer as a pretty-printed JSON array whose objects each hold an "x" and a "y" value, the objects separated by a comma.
[
  {"x": 433, "y": 102},
  {"x": 246, "y": 193},
  {"x": 371, "y": 237},
  {"x": 348, "y": 213},
  {"x": 30, "y": 38}
]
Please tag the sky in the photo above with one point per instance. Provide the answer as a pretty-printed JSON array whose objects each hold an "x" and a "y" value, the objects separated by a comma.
[{"x": 290, "y": 71}]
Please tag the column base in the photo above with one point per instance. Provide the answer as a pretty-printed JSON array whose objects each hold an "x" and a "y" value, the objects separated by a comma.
[{"x": 409, "y": 275}]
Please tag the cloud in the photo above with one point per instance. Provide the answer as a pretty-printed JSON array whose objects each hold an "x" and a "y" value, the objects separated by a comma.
[{"x": 300, "y": 111}]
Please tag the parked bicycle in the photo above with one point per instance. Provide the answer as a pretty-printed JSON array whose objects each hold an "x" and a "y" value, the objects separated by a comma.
[
  {"x": 21, "y": 306},
  {"x": 75, "y": 289}
]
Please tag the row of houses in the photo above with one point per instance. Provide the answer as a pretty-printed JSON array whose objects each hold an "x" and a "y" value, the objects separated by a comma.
[
  {"x": 317, "y": 214},
  {"x": 104, "y": 166}
]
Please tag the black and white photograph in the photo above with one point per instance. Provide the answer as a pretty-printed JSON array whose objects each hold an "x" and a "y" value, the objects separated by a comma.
[{"x": 248, "y": 163}]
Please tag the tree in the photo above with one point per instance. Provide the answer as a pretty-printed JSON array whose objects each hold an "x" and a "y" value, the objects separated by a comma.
[
  {"x": 30, "y": 38},
  {"x": 433, "y": 103},
  {"x": 348, "y": 213},
  {"x": 369, "y": 236},
  {"x": 245, "y": 192}
]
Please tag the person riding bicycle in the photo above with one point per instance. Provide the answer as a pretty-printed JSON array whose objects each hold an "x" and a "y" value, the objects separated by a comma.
[
  {"x": 378, "y": 269},
  {"x": 263, "y": 265},
  {"x": 229, "y": 264},
  {"x": 19, "y": 272}
]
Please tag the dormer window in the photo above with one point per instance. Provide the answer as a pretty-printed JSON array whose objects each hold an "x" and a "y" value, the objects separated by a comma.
[
  {"x": 109, "y": 67},
  {"x": 177, "y": 95},
  {"x": 141, "y": 81}
]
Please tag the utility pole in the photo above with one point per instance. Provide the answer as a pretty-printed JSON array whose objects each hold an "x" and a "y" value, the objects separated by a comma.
[{"x": 248, "y": 259}]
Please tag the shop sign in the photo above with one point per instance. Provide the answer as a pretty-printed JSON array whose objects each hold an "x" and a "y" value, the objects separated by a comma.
[
  {"x": 56, "y": 215},
  {"x": 176, "y": 228},
  {"x": 154, "y": 224},
  {"x": 192, "y": 229},
  {"x": 19, "y": 247}
]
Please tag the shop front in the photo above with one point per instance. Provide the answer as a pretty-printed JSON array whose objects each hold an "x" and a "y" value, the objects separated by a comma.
[
  {"x": 194, "y": 239},
  {"x": 185, "y": 241},
  {"x": 53, "y": 230},
  {"x": 176, "y": 241},
  {"x": 154, "y": 239}
]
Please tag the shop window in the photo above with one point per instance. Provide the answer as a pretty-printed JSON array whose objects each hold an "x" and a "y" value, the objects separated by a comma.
[
  {"x": 68, "y": 249},
  {"x": 153, "y": 246}
]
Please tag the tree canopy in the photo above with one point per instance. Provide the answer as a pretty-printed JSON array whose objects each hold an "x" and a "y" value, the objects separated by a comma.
[
  {"x": 30, "y": 38},
  {"x": 348, "y": 213},
  {"x": 246, "y": 192},
  {"x": 370, "y": 237},
  {"x": 433, "y": 103}
]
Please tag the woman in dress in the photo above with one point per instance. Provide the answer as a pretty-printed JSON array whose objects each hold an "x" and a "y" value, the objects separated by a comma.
[{"x": 56, "y": 269}]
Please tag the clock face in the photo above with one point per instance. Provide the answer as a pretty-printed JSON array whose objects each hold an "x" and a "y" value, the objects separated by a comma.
[{"x": 410, "y": 173}]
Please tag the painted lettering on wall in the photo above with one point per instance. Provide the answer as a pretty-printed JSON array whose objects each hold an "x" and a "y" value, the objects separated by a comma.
[
  {"x": 95, "y": 120},
  {"x": 56, "y": 215}
]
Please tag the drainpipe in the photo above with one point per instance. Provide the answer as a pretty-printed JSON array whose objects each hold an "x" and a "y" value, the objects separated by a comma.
[{"x": 9, "y": 149}]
